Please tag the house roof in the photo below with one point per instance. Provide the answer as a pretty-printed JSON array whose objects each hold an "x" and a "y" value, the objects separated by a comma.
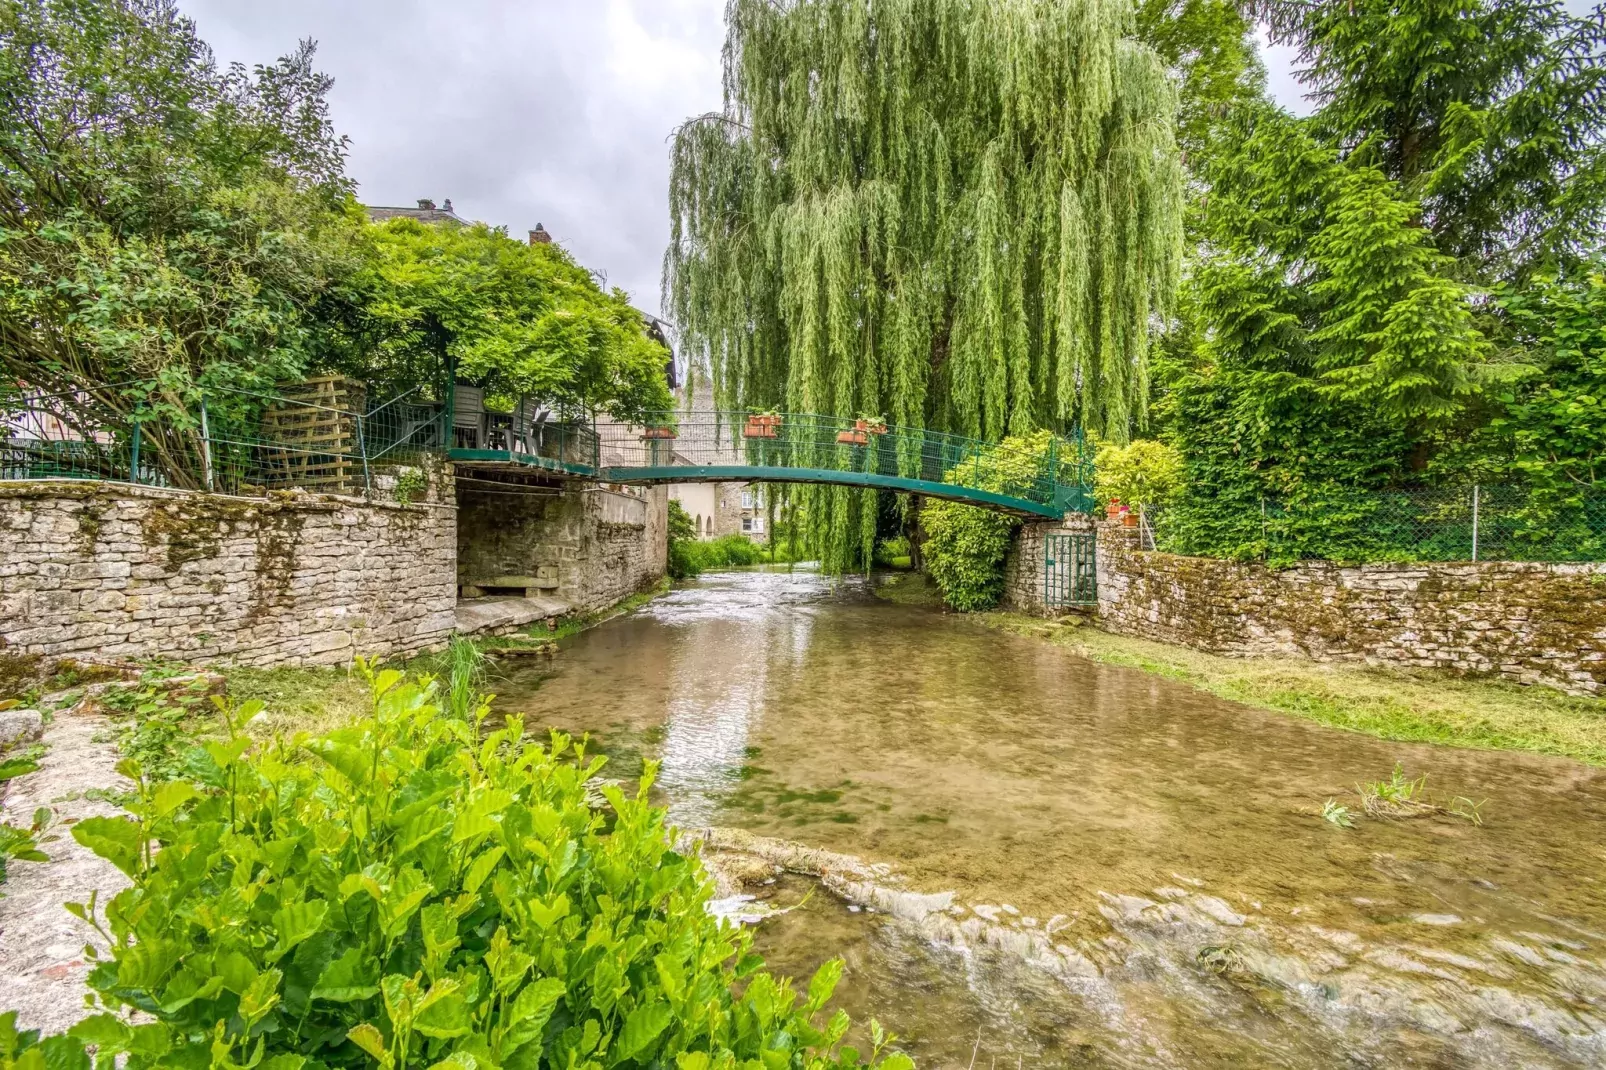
[{"x": 426, "y": 212}]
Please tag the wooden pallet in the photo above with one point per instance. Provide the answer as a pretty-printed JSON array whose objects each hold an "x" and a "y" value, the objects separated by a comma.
[{"x": 312, "y": 441}]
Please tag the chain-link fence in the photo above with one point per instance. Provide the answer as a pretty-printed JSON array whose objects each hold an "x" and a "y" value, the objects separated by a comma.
[{"x": 1466, "y": 523}]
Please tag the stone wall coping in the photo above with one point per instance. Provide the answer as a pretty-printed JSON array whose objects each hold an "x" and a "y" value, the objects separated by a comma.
[{"x": 71, "y": 489}]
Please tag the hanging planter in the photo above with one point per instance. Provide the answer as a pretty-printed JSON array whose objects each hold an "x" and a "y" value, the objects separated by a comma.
[
  {"x": 763, "y": 425},
  {"x": 873, "y": 425},
  {"x": 853, "y": 437},
  {"x": 653, "y": 433}
]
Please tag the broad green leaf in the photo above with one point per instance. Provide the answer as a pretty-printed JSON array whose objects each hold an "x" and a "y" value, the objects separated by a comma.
[
  {"x": 172, "y": 795},
  {"x": 445, "y": 1015},
  {"x": 369, "y": 1039},
  {"x": 116, "y": 839},
  {"x": 261, "y": 997},
  {"x": 226, "y": 752},
  {"x": 823, "y": 984},
  {"x": 458, "y": 1060},
  {"x": 671, "y": 975},
  {"x": 15, "y": 767},
  {"x": 477, "y": 817},
  {"x": 546, "y": 916},
  {"x": 352, "y": 976},
  {"x": 525, "y": 1018},
  {"x": 105, "y": 1031},
  {"x": 283, "y": 1062},
  {"x": 186, "y": 987},
  {"x": 482, "y": 868},
  {"x": 351, "y": 763},
  {"x": 295, "y": 923},
  {"x": 641, "y": 1028},
  {"x": 404, "y": 896},
  {"x": 236, "y": 970}
]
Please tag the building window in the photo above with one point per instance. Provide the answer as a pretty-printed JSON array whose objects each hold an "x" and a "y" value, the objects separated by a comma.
[
  {"x": 758, "y": 525},
  {"x": 747, "y": 499},
  {"x": 747, "y": 523}
]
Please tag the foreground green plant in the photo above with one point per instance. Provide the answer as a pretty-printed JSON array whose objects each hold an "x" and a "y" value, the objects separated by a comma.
[
  {"x": 21, "y": 844},
  {"x": 408, "y": 892}
]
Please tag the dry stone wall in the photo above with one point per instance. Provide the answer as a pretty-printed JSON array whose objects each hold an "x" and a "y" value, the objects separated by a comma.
[
  {"x": 585, "y": 546},
  {"x": 111, "y": 572},
  {"x": 1530, "y": 623},
  {"x": 1023, "y": 569}
]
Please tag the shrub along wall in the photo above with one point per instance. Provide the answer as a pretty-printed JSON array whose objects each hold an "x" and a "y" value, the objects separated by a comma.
[
  {"x": 1532, "y": 623},
  {"x": 111, "y": 572}
]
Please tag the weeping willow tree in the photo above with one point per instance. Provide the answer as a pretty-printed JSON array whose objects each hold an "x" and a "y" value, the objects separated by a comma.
[{"x": 957, "y": 214}]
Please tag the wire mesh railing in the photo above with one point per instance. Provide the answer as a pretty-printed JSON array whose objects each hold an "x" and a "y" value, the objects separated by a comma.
[
  {"x": 1502, "y": 522},
  {"x": 229, "y": 441},
  {"x": 321, "y": 435},
  {"x": 1058, "y": 476}
]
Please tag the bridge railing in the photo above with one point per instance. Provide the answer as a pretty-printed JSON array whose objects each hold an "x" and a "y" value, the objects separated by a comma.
[{"x": 811, "y": 442}]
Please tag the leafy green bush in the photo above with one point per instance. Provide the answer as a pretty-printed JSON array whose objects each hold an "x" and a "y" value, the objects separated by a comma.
[
  {"x": 1141, "y": 473},
  {"x": 682, "y": 536},
  {"x": 411, "y": 892},
  {"x": 727, "y": 551},
  {"x": 965, "y": 546}
]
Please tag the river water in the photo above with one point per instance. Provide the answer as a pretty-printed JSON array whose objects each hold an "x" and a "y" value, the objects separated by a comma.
[{"x": 1165, "y": 846}]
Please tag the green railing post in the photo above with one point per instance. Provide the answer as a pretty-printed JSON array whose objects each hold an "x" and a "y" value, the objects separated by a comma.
[
  {"x": 362, "y": 448},
  {"x": 133, "y": 452}
]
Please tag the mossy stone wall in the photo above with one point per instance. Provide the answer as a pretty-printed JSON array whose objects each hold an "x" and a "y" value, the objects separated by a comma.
[
  {"x": 1529, "y": 623},
  {"x": 112, "y": 572}
]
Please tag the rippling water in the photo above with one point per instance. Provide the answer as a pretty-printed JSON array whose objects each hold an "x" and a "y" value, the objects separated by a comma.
[{"x": 1171, "y": 841}]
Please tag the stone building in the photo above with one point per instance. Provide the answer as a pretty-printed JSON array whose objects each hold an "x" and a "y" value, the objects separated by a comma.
[{"x": 716, "y": 509}]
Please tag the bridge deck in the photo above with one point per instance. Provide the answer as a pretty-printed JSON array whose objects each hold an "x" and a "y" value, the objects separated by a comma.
[{"x": 704, "y": 447}]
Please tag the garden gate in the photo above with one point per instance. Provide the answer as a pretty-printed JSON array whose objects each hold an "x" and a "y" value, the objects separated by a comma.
[{"x": 1070, "y": 572}]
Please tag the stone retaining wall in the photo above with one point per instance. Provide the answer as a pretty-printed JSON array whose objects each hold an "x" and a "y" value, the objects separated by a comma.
[
  {"x": 112, "y": 572},
  {"x": 1531, "y": 623},
  {"x": 1023, "y": 569},
  {"x": 582, "y": 545}
]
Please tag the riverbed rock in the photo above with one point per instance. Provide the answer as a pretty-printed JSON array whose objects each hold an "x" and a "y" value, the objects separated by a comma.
[{"x": 19, "y": 725}]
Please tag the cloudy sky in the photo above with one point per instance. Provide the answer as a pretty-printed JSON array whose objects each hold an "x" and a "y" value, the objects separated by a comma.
[{"x": 541, "y": 111}]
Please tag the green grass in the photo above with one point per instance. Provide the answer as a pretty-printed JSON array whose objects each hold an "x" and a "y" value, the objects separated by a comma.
[
  {"x": 300, "y": 699},
  {"x": 1406, "y": 707},
  {"x": 909, "y": 589}
]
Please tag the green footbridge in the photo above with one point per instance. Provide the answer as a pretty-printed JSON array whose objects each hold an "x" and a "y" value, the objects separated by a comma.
[
  {"x": 315, "y": 436},
  {"x": 743, "y": 447}
]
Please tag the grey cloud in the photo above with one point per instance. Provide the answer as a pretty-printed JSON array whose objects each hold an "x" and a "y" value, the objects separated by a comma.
[{"x": 553, "y": 112}]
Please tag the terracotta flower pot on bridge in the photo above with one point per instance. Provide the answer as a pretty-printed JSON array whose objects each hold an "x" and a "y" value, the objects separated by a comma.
[
  {"x": 853, "y": 438},
  {"x": 658, "y": 433},
  {"x": 762, "y": 427}
]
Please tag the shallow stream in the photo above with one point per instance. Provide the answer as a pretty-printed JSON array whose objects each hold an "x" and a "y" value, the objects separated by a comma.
[{"x": 1165, "y": 847}]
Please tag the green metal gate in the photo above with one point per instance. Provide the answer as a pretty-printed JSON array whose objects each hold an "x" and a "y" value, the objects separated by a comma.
[{"x": 1070, "y": 571}]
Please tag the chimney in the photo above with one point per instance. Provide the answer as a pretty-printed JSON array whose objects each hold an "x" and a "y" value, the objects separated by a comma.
[
  {"x": 447, "y": 207},
  {"x": 539, "y": 236},
  {"x": 425, "y": 204}
]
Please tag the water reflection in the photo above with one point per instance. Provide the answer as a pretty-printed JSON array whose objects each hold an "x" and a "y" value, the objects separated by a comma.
[
  {"x": 754, "y": 624},
  {"x": 1171, "y": 840}
]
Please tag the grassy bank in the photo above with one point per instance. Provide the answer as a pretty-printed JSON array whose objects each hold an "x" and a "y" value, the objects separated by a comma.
[{"x": 1407, "y": 707}]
